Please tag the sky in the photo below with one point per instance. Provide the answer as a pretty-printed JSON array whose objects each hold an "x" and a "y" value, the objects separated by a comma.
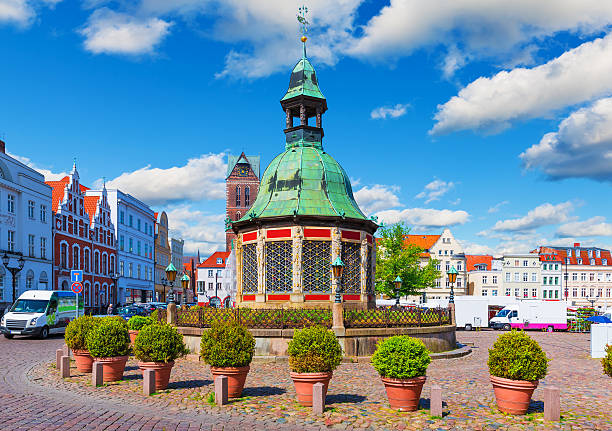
[{"x": 491, "y": 118}]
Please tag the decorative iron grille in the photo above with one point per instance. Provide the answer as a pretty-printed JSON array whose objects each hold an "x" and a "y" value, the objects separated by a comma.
[
  {"x": 316, "y": 266},
  {"x": 249, "y": 268},
  {"x": 279, "y": 266},
  {"x": 351, "y": 274},
  {"x": 389, "y": 318},
  {"x": 369, "y": 272}
]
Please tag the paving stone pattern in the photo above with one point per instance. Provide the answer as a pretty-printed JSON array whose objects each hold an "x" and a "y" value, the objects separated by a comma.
[{"x": 356, "y": 397}]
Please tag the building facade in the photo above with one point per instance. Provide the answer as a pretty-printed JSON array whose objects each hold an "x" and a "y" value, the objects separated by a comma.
[
  {"x": 552, "y": 276},
  {"x": 176, "y": 254},
  {"x": 83, "y": 239},
  {"x": 484, "y": 275},
  {"x": 134, "y": 222},
  {"x": 163, "y": 257},
  {"x": 214, "y": 285},
  {"x": 25, "y": 228},
  {"x": 241, "y": 187},
  {"x": 522, "y": 275}
]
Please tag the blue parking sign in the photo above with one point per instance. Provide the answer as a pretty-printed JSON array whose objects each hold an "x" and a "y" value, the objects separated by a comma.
[{"x": 76, "y": 276}]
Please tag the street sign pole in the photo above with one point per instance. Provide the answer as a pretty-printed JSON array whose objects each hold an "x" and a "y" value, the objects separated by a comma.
[{"x": 76, "y": 276}]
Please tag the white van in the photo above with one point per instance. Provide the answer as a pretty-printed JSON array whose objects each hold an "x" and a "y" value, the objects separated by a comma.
[{"x": 40, "y": 313}]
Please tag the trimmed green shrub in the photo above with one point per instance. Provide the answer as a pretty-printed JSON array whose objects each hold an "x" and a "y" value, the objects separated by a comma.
[
  {"x": 401, "y": 357},
  {"x": 159, "y": 343},
  {"x": 77, "y": 330},
  {"x": 314, "y": 350},
  {"x": 227, "y": 344},
  {"x": 136, "y": 323},
  {"x": 108, "y": 339},
  {"x": 606, "y": 361},
  {"x": 517, "y": 356},
  {"x": 155, "y": 315}
]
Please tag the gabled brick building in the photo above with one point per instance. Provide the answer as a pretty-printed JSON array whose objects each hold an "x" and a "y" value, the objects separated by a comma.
[
  {"x": 241, "y": 187},
  {"x": 83, "y": 238}
]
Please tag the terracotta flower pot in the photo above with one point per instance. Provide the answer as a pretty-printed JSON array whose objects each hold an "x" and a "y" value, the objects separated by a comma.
[
  {"x": 112, "y": 368},
  {"x": 513, "y": 396},
  {"x": 133, "y": 335},
  {"x": 83, "y": 359},
  {"x": 304, "y": 382},
  {"x": 162, "y": 372},
  {"x": 404, "y": 394},
  {"x": 236, "y": 376}
]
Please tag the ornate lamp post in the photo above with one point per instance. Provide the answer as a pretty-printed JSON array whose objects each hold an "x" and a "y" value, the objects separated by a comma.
[
  {"x": 337, "y": 267},
  {"x": 452, "y": 278},
  {"x": 14, "y": 270},
  {"x": 185, "y": 284},
  {"x": 397, "y": 284},
  {"x": 171, "y": 276}
]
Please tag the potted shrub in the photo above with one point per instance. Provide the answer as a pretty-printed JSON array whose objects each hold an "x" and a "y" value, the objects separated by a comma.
[
  {"x": 401, "y": 362},
  {"x": 76, "y": 339},
  {"x": 516, "y": 364},
  {"x": 606, "y": 361},
  {"x": 156, "y": 347},
  {"x": 136, "y": 323},
  {"x": 228, "y": 348},
  {"x": 314, "y": 353},
  {"x": 109, "y": 343}
]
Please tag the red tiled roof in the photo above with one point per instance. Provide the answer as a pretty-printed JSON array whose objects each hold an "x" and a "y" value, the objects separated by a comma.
[
  {"x": 584, "y": 254},
  {"x": 57, "y": 193},
  {"x": 90, "y": 203},
  {"x": 422, "y": 241},
  {"x": 472, "y": 260},
  {"x": 211, "y": 262}
]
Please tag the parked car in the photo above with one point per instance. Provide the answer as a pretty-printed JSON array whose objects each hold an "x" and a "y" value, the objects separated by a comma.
[{"x": 130, "y": 311}]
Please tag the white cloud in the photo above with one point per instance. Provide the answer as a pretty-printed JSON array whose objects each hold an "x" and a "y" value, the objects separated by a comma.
[
  {"x": 581, "y": 147},
  {"x": 424, "y": 217},
  {"x": 595, "y": 226},
  {"x": 382, "y": 112},
  {"x": 495, "y": 208},
  {"x": 201, "y": 178},
  {"x": 200, "y": 230},
  {"x": 491, "y": 104},
  {"x": 435, "y": 190},
  {"x": 542, "y": 215},
  {"x": 110, "y": 32},
  {"x": 473, "y": 248},
  {"x": 48, "y": 174},
  {"x": 376, "y": 198},
  {"x": 17, "y": 11}
]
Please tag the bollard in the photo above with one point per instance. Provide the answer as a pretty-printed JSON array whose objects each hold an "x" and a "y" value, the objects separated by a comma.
[
  {"x": 221, "y": 390},
  {"x": 58, "y": 358},
  {"x": 97, "y": 374},
  {"x": 66, "y": 350},
  {"x": 552, "y": 404},
  {"x": 318, "y": 399},
  {"x": 148, "y": 382},
  {"x": 65, "y": 366},
  {"x": 435, "y": 401}
]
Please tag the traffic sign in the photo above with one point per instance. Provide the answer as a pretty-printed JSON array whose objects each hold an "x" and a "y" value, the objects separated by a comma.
[
  {"x": 77, "y": 287},
  {"x": 76, "y": 276}
]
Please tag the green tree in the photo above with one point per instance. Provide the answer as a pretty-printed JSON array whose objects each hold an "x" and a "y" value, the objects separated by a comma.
[{"x": 395, "y": 257}]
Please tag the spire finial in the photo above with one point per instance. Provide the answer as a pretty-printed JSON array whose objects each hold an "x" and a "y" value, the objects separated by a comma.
[
  {"x": 103, "y": 182},
  {"x": 301, "y": 17}
]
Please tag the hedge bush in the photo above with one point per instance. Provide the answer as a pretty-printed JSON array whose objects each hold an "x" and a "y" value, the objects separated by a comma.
[
  {"x": 314, "y": 350},
  {"x": 517, "y": 356},
  {"x": 606, "y": 361},
  {"x": 136, "y": 323},
  {"x": 77, "y": 330},
  {"x": 401, "y": 357},
  {"x": 109, "y": 338},
  {"x": 159, "y": 343},
  {"x": 227, "y": 344}
]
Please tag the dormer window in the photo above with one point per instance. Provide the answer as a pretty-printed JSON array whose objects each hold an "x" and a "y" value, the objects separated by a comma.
[
  {"x": 569, "y": 252},
  {"x": 604, "y": 261},
  {"x": 590, "y": 253},
  {"x": 567, "y": 260},
  {"x": 598, "y": 253},
  {"x": 219, "y": 261},
  {"x": 592, "y": 261},
  {"x": 579, "y": 261}
]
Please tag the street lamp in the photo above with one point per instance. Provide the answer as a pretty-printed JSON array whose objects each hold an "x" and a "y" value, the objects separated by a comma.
[
  {"x": 452, "y": 277},
  {"x": 565, "y": 276},
  {"x": 337, "y": 267},
  {"x": 185, "y": 284},
  {"x": 171, "y": 276},
  {"x": 14, "y": 270},
  {"x": 397, "y": 284}
]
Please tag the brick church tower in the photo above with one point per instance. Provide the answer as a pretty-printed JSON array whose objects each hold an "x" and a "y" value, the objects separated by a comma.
[{"x": 241, "y": 187}]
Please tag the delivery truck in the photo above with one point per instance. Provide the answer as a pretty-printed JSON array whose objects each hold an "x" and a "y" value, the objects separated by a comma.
[
  {"x": 472, "y": 312},
  {"x": 532, "y": 314}
]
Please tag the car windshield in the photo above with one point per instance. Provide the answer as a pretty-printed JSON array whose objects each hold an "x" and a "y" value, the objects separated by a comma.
[
  {"x": 126, "y": 310},
  {"x": 502, "y": 313},
  {"x": 30, "y": 306}
]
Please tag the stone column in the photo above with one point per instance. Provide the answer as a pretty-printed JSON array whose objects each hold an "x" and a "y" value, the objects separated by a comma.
[
  {"x": 319, "y": 122},
  {"x": 298, "y": 239},
  {"x": 303, "y": 119},
  {"x": 289, "y": 119},
  {"x": 261, "y": 265}
]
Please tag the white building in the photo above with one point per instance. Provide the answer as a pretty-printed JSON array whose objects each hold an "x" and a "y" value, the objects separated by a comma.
[
  {"x": 484, "y": 275},
  {"x": 176, "y": 253},
  {"x": 135, "y": 223},
  {"x": 522, "y": 275},
  {"x": 25, "y": 228},
  {"x": 552, "y": 276},
  {"x": 215, "y": 280}
]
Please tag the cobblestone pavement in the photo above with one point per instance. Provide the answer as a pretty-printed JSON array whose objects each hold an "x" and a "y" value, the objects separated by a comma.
[{"x": 356, "y": 398}]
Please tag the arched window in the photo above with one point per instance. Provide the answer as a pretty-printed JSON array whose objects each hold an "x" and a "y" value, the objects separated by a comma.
[
  {"x": 64, "y": 285},
  {"x": 29, "y": 280},
  {"x": 96, "y": 295},
  {"x": 43, "y": 281},
  {"x": 104, "y": 264},
  {"x": 64, "y": 255},
  {"x": 86, "y": 260},
  {"x": 238, "y": 215},
  {"x": 237, "y": 196},
  {"x": 112, "y": 269},
  {"x": 86, "y": 293},
  {"x": 75, "y": 257},
  {"x": 96, "y": 262},
  {"x": 103, "y": 294},
  {"x": 247, "y": 196}
]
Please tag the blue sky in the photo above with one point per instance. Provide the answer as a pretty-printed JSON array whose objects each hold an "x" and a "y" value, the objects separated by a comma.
[{"x": 493, "y": 119}]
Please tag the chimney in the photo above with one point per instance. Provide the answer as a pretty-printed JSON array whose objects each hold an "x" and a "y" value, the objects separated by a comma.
[
  {"x": 2, "y": 146},
  {"x": 576, "y": 244}
]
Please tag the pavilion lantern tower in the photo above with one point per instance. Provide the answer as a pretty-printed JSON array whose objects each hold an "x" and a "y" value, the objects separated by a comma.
[{"x": 304, "y": 217}]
